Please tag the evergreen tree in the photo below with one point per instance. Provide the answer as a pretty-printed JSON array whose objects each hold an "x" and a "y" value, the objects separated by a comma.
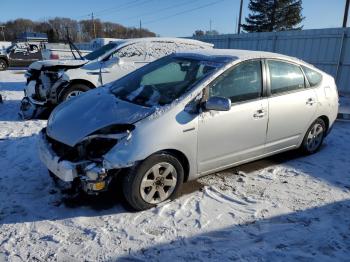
[{"x": 274, "y": 15}]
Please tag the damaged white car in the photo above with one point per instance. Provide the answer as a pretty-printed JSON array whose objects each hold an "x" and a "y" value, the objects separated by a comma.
[
  {"x": 187, "y": 115},
  {"x": 51, "y": 82}
]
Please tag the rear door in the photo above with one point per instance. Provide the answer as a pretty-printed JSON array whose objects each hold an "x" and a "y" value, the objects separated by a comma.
[{"x": 292, "y": 105}]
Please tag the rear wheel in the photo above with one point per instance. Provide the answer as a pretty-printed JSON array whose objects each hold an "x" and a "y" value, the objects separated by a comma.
[
  {"x": 314, "y": 137},
  {"x": 3, "y": 65},
  {"x": 73, "y": 91},
  {"x": 155, "y": 180}
]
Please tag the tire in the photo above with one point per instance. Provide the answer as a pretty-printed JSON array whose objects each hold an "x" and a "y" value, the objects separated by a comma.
[
  {"x": 3, "y": 65},
  {"x": 75, "y": 88},
  {"x": 314, "y": 137},
  {"x": 143, "y": 188}
]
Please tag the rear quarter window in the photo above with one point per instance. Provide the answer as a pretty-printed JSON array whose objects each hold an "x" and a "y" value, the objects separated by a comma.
[{"x": 312, "y": 76}]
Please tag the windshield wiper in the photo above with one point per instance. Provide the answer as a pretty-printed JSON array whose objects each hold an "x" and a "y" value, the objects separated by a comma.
[{"x": 71, "y": 44}]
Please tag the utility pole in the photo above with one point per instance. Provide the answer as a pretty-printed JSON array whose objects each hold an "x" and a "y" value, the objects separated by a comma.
[
  {"x": 346, "y": 11},
  {"x": 93, "y": 24},
  {"x": 240, "y": 18},
  {"x": 140, "y": 27},
  {"x": 210, "y": 25},
  {"x": 3, "y": 31}
]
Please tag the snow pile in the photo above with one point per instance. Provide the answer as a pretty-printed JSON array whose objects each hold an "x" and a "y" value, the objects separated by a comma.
[{"x": 282, "y": 208}]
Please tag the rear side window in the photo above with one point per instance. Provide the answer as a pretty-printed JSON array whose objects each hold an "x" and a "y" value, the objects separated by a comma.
[
  {"x": 241, "y": 83},
  {"x": 134, "y": 52},
  {"x": 312, "y": 76},
  {"x": 285, "y": 77},
  {"x": 158, "y": 49}
]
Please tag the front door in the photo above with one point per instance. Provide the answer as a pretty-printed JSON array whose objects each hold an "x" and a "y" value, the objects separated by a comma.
[{"x": 229, "y": 137}]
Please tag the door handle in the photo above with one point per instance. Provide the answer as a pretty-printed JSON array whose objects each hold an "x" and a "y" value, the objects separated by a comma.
[
  {"x": 259, "y": 114},
  {"x": 310, "y": 101}
]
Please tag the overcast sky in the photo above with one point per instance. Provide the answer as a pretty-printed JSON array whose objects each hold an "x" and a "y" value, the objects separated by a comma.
[{"x": 165, "y": 17}]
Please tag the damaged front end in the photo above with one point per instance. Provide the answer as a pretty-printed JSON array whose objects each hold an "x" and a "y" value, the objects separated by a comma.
[
  {"x": 42, "y": 89},
  {"x": 82, "y": 164}
]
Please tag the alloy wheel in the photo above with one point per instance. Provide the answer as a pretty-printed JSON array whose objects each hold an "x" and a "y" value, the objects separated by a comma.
[
  {"x": 73, "y": 94},
  {"x": 158, "y": 183},
  {"x": 2, "y": 65},
  {"x": 314, "y": 138}
]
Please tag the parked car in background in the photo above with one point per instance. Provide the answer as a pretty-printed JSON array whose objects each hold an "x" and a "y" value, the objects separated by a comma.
[
  {"x": 52, "y": 82},
  {"x": 20, "y": 54},
  {"x": 187, "y": 115},
  {"x": 5, "y": 44}
]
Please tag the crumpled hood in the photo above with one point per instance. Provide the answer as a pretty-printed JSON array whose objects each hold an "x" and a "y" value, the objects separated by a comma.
[
  {"x": 38, "y": 65},
  {"x": 77, "y": 118}
]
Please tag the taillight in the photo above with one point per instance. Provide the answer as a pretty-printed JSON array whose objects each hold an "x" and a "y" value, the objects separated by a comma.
[{"x": 54, "y": 56}]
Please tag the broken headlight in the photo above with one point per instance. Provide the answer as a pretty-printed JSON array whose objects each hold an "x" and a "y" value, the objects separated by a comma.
[{"x": 99, "y": 143}]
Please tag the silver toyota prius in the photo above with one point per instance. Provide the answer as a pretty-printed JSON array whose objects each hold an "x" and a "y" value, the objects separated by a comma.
[{"x": 187, "y": 115}]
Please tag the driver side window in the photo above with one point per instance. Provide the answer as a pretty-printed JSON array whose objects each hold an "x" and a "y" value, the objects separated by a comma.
[{"x": 241, "y": 83}]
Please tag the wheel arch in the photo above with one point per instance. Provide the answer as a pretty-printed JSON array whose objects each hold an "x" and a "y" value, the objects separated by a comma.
[
  {"x": 181, "y": 157},
  {"x": 61, "y": 88},
  {"x": 82, "y": 81},
  {"x": 326, "y": 121},
  {"x": 6, "y": 60}
]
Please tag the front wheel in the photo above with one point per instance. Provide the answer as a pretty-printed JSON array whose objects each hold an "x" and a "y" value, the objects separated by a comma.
[
  {"x": 314, "y": 137},
  {"x": 74, "y": 91},
  {"x": 3, "y": 65},
  {"x": 155, "y": 180}
]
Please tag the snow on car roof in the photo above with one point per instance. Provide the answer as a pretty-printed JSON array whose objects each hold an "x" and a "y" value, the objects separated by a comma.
[
  {"x": 165, "y": 39},
  {"x": 234, "y": 54}
]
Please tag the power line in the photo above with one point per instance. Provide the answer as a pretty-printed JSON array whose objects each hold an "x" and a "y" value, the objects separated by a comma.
[
  {"x": 119, "y": 7},
  {"x": 135, "y": 3},
  {"x": 158, "y": 10},
  {"x": 183, "y": 12}
]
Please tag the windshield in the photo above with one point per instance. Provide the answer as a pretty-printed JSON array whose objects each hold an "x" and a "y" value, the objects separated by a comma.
[
  {"x": 101, "y": 51},
  {"x": 163, "y": 81}
]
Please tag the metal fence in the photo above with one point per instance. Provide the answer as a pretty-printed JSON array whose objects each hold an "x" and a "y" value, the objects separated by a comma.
[{"x": 327, "y": 49}]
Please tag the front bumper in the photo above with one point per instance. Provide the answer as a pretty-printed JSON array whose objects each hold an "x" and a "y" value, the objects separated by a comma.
[
  {"x": 93, "y": 179},
  {"x": 64, "y": 170}
]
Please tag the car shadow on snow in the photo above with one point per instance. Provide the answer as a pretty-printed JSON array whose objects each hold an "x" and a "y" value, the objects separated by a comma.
[
  {"x": 11, "y": 86},
  {"x": 28, "y": 194},
  {"x": 316, "y": 234},
  {"x": 9, "y": 110}
]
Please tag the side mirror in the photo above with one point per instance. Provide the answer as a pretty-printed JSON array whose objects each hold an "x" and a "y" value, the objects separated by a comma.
[{"x": 218, "y": 104}]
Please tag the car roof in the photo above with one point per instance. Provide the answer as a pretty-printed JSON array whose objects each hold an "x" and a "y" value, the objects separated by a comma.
[
  {"x": 163, "y": 39},
  {"x": 235, "y": 54}
]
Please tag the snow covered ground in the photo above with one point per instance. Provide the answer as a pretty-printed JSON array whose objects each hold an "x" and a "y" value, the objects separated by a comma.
[{"x": 283, "y": 208}]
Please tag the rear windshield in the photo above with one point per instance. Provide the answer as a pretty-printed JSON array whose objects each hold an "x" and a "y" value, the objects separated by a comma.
[{"x": 101, "y": 51}]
